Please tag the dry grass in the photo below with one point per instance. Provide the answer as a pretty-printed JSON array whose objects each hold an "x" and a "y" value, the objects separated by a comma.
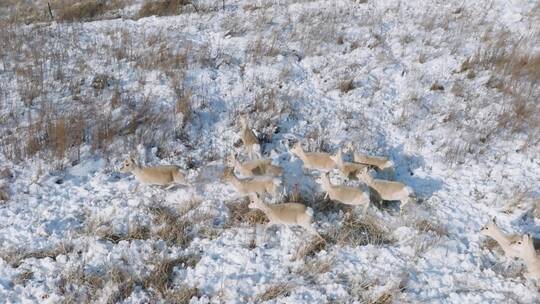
[
  {"x": 15, "y": 257},
  {"x": 172, "y": 227},
  {"x": 164, "y": 7},
  {"x": 369, "y": 292},
  {"x": 491, "y": 245},
  {"x": 80, "y": 11},
  {"x": 425, "y": 226},
  {"x": 240, "y": 214},
  {"x": 313, "y": 268},
  {"x": 274, "y": 291},
  {"x": 181, "y": 295},
  {"x": 356, "y": 231},
  {"x": 310, "y": 248},
  {"x": 4, "y": 196},
  {"x": 346, "y": 85},
  {"x": 162, "y": 274},
  {"x": 23, "y": 277}
]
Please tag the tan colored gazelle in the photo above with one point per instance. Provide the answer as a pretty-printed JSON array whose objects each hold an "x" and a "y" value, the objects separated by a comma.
[
  {"x": 387, "y": 190},
  {"x": 252, "y": 185},
  {"x": 254, "y": 167},
  {"x": 347, "y": 169},
  {"x": 165, "y": 175},
  {"x": 313, "y": 160},
  {"x": 525, "y": 250},
  {"x": 344, "y": 194},
  {"x": 288, "y": 214},
  {"x": 249, "y": 139},
  {"x": 379, "y": 162},
  {"x": 504, "y": 240}
]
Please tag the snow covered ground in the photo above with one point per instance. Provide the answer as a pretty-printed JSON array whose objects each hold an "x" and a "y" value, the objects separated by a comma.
[{"x": 430, "y": 84}]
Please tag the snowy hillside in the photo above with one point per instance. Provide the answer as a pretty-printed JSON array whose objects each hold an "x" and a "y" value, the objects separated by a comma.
[{"x": 448, "y": 90}]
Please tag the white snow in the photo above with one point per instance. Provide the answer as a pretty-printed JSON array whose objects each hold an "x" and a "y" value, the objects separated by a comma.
[{"x": 391, "y": 111}]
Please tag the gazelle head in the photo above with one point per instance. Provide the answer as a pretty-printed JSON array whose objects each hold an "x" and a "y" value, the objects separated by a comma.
[
  {"x": 525, "y": 246},
  {"x": 297, "y": 149},
  {"x": 128, "y": 165},
  {"x": 228, "y": 173},
  {"x": 338, "y": 157},
  {"x": 324, "y": 179},
  {"x": 255, "y": 202},
  {"x": 489, "y": 228},
  {"x": 231, "y": 160},
  {"x": 364, "y": 175},
  {"x": 243, "y": 120}
]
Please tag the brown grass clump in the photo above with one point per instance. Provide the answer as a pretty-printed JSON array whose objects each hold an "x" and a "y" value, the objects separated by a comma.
[
  {"x": 355, "y": 231},
  {"x": 134, "y": 233},
  {"x": 310, "y": 248},
  {"x": 426, "y": 226},
  {"x": 491, "y": 245},
  {"x": 81, "y": 11},
  {"x": 4, "y": 197},
  {"x": 346, "y": 85},
  {"x": 163, "y": 7},
  {"x": 181, "y": 295},
  {"x": 173, "y": 228},
  {"x": 162, "y": 275},
  {"x": 313, "y": 268},
  {"x": 23, "y": 277},
  {"x": 241, "y": 214},
  {"x": 274, "y": 291},
  {"x": 15, "y": 257}
]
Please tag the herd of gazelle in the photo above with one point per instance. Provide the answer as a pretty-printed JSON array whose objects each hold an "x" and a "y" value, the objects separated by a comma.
[
  {"x": 516, "y": 246},
  {"x": 260, "y": 176}
]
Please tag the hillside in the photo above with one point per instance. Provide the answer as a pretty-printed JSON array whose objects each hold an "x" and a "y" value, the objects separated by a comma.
[{"x": 448, "y": 90}]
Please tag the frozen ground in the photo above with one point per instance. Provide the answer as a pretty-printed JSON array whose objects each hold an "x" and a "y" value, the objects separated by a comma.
[{"x": 390, "y": 77}]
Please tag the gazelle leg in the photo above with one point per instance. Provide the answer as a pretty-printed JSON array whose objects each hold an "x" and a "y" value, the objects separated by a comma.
[
  {"x": 364, "y": 211},
  {"x": 403, "y": 204}
]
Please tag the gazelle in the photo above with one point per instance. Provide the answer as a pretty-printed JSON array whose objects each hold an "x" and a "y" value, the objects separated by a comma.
[
  {"x": 167, "y": 175},
  {"x": 387, "y": 190},
  {"x": 252, "y": 185},
  {"x": 254, "y": 167},
  {"x": 288, "y": 214},
  {"x": 347, "y": 169},
  {"x": 314, "y": 160},
  {"x": 344, "y": 194},
  {"x": 249, "y": 139},
  {"x": 504, "y": 240},
  {"x": 524, "y": 248},
  {"x": 379, "y": 162}
]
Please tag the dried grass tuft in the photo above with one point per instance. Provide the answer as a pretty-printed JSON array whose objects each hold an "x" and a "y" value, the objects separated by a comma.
[{"x": 274, "y": 291}]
